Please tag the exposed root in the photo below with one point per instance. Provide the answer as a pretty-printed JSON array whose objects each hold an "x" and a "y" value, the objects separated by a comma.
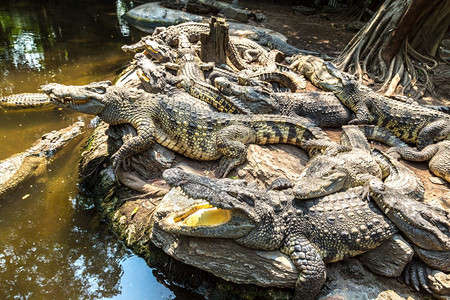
[{"x": 409, "y": 72}]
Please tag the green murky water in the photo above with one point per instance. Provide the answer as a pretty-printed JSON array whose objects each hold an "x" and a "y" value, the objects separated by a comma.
[{"x": 52, "y": 243}]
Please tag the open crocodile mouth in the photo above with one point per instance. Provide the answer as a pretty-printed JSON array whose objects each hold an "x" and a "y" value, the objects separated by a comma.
[
  {"x": 203, "y": 215},
  {"x": 203, "y": 219}
]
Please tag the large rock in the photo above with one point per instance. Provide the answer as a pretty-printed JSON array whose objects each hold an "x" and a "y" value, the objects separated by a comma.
[
  {"x": 350, "y": 280},
  {"x": 202, "y": 6},
  {"x": 267, "y": 163},
  {"x": 236, "y": 13},
  {"x": 390, "y": 258},
  {"x": 147, "y": 17},
  {"x": 223, "y": 258}
]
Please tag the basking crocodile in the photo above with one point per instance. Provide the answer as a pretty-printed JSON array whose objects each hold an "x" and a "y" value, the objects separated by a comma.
[
  {"x": 33, "y": 161},
  {"x": 274, "y": 42},
  {"x": 400, "y": 196},
  {"x": 170, "y": 35},
  {"x": 311, "y": 232},
  {"x": 188, "y": 64},
  {"x": 26, "y": 101},
  {"x": 315, "y": 70},
  {"x": 249, "y": 50},
  {"x": 152, "y": 76},
  {"x": 191, "y": 78},
  {"x": 323, "y": 109},
  {"x": 437, "y": 154},
  {"x": 411, "y": 123},
  {"x": 181, "y": 126},
  {"x": 332, "y": 172}
]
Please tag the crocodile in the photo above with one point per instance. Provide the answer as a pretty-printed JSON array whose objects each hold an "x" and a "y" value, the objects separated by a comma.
[
  {"x": 331, "y": 172},
  {"x": 274, "y": 42},
  {"x": 182, "y": 126},
  {"x": 236, "y": 60},
  {"x": 170, "y": 35},
  {"x": 273, "y": 72},
  {"x": 211, "y": 95},
  {"x": 152, "y": 76},
  {"x": 289, "y": 80},
  {"x": 314, "y": 69},
  {"x": 191, "y": 78},
  {"x": 33, "y": 162},
  {"x": 188, "y": 63},
  {"x": 26, "y": 101},
  {"x": 400, "y": 196},
  {"x": 311, "y": 232},
  {"x": 411, "y": 123},
  {"x": 190, "y": 75},
  {"x": 322, "y": 109},
  {"x": 437, "y": 154},
  {"x": 249, "y": 50}
]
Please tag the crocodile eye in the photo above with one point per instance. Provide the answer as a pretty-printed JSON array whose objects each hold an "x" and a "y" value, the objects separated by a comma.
[
  {"x": 97, "y": 90},
  {"x": 246, "y": 199},
  {"x": 233, "y": 194},
  {"x": 329, "y": 172}
]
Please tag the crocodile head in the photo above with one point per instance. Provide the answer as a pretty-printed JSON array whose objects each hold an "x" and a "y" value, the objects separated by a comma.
[
  {"x": 226, "y": 208},
  {"x": 158, "y": 50},
  {"x": 259, "y": 98},
  {"x": 316, "y": 70},
  {"x": 426, "y": 225},
  {"x": 348, "y": 86},
  {"x": 84, "y": 98},
  {"x": 323, "y": 175}
]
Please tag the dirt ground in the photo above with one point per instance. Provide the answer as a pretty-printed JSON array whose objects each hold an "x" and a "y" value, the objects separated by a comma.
[
  {"x": 322, "y": 32},
  {"x": 327, "y": 33}
]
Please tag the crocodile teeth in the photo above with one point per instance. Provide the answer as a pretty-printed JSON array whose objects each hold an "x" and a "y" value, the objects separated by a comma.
[{"x": 386, "y": 211}]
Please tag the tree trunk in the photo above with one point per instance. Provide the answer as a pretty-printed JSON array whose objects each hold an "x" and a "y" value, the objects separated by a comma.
[
  {"x": 215, "y": 43},
  {"x": 399, "y": 45},
  {"x": 404, "y": 27}
]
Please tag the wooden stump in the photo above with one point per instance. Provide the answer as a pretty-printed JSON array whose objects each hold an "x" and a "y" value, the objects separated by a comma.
[{"x": 215, "y": 43}]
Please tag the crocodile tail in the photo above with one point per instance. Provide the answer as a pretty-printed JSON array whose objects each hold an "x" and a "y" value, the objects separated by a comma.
[
  {"x": 271, "y": 129},
  {"x": 382, "y": 135}
]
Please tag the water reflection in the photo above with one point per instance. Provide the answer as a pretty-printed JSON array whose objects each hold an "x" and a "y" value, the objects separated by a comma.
[
  {"x": 122, "y": 8},
  {"x": 26, "y": 52},
  {"x": 52, "y": 243}
]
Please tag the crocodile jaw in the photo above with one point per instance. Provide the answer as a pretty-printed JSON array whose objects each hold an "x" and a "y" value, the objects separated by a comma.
[
  {"x": 307, "y": 188},
  {"x": 86, "y": 99},
  {"x": 204, "y": 220}
]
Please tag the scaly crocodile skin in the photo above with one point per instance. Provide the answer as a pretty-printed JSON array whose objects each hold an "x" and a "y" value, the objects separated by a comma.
[
  {"x": 182, "y": 126},
  {"x": 311, "y": 232}
]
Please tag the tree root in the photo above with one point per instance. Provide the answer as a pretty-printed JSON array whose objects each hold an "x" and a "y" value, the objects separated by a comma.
[{"x": 409, "y": 72}]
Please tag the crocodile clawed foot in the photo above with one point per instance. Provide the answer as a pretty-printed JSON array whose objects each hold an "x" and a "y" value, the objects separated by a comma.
[
  {"x": 416, "y": 275},
  {"x": 116, "y": 163},
  {"x": 224, "y": 169}
]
